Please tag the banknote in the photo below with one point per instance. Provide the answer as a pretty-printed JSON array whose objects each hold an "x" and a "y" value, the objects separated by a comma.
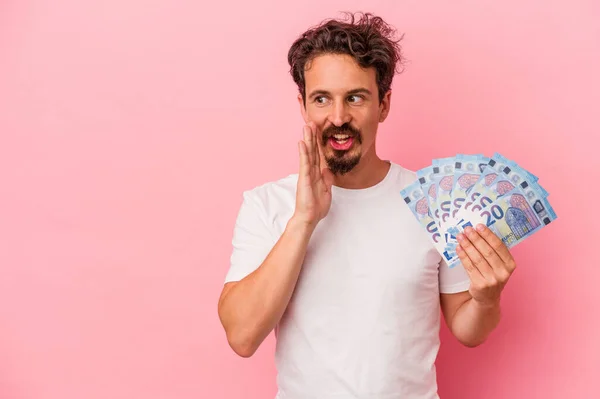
[
  {"x": 467, "y": 171},
  {"x": 418, "y": 203},
  {"x": 488, "y": 177},
  {"x": 465, "y": 190},
  {"x": 499, "y": 177},
  {"x": 443, "y": 177},
  {"x": 425, "y": 179},
  {"x": 516, "y": 215}
]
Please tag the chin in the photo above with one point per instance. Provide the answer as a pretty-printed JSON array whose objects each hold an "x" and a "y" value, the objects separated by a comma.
[{"x": 344, "y": 164}]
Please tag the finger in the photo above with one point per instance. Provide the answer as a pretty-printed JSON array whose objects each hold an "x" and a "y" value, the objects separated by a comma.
[
  {"x": 488, "y": 253},
  {"x": 311, "y": 148},
  {"x": 327, "y": 179},
  {"x": 472, "y": 271},
  {"x": 304, "y": 165},
  {"x": 317, "y": 147},
  {"x": 308, "y": 140},
  {"x": 478, "y": 261},
  {"x": 496, "y": 243},
  {"x": 315, "y": 165},
  {"x": 315, "y": 150}
]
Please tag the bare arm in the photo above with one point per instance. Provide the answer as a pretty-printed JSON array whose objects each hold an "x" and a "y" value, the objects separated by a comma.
[
  {"x": 473, "y": 315},
  {"x": 250, "y": 308},
  {"x": 469, "y": 321}
]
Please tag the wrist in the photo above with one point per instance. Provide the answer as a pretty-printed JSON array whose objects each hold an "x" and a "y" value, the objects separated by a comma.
[
  {"x": 486, "y": 305},
  {"x": 300, "y": 225}
]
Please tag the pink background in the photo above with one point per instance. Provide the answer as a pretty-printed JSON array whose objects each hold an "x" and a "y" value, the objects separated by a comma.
[{"x": 130, "y": 128}]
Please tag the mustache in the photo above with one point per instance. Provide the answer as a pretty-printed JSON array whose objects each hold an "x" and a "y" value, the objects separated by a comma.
[{"x": 346, "y": 128}]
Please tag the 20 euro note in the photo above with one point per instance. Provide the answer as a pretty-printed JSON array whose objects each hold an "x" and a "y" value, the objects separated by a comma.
[
  {"x": 499, "y": 177},
  {"x": 467, "y": 171},
  {"x": 514, "y": 216},
  {"x": 429, "y": 179},
  {"x": 488, "y": 176},
  {"x": 425, "y": 179},
  {"x": 443, "y": 177},
  {"x": 418, "y": 203}
]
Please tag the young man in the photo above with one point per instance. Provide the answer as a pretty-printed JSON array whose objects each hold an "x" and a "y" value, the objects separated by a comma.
[{"x": 334, "y": 260}]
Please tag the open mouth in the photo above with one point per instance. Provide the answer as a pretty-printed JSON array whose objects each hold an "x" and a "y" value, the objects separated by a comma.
[{"x": 341, "y": 141}]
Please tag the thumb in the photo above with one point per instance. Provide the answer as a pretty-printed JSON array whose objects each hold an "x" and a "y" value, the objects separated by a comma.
[{"x": 327, "y": 178}]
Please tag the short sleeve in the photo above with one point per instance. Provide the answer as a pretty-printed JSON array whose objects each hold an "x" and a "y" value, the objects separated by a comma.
[
  {"x": 252, "y": 239},
  {"x": 453, "y": 280}
]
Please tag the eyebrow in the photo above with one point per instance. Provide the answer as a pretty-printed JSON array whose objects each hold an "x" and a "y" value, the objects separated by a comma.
[{"x": 359, "y": 90}]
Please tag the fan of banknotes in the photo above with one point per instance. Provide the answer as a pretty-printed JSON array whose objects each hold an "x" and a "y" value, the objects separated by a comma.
[{"x": 466, "y": 190}]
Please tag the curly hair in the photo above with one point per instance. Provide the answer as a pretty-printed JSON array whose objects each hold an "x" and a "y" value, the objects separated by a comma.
[{"x": 365, "y": 37}]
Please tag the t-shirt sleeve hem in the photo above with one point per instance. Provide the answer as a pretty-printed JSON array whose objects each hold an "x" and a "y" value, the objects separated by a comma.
[
  {"x": 235, "y": 276},
  {"x": 454, "y": 288},
  {"x": 252, "y": 238}
]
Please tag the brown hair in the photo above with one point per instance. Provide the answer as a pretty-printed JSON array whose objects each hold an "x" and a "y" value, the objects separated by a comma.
[{"x": 368, "y": 39}]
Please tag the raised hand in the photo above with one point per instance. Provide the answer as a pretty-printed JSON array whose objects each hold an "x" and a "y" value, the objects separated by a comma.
[
  {"x": 313, "y": 194},
  {"x": 487, "y": 261}
]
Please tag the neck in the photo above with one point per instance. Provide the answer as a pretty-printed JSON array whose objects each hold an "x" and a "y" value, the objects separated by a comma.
[{"x": 368, "y": 172}]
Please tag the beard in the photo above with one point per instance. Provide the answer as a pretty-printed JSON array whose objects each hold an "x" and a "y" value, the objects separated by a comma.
[{"x": 341, "y": 162}]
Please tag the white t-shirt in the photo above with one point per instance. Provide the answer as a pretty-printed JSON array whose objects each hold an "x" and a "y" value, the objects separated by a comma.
[{"x": 364, "y": 319}]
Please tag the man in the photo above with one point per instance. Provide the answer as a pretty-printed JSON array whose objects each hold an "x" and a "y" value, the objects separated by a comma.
[{"x": 333, "y": 259}]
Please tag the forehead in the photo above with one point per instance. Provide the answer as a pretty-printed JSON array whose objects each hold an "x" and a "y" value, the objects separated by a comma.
[{"x": 337, "y": 73}]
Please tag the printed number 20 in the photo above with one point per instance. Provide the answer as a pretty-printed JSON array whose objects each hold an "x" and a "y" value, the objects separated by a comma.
[{"x": 495, "y": 213}]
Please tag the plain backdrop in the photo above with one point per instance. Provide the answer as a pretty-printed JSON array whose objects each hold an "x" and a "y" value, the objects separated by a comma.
[{"x": 130, "y": 128}]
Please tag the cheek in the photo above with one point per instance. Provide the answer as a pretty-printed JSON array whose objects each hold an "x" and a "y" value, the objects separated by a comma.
[
  {"x": 317, "y": 115},
  {"x": 369, "y": 127}
]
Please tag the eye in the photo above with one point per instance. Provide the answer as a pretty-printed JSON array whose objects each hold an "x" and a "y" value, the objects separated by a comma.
[
  {"x": 320, "y": 100},
  {"x": 355, "y": 99}
]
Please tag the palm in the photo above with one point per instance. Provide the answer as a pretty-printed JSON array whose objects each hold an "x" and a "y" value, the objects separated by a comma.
[{"x": 313, "y": 196}]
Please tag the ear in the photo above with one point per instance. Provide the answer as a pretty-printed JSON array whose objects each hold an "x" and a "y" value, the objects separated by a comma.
[
  {"x": 302, "y": 108},
  {"x": 384, "y": 106}
]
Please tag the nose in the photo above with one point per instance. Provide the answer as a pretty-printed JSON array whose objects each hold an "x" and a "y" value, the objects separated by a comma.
[{"x": 339, "y": 114}]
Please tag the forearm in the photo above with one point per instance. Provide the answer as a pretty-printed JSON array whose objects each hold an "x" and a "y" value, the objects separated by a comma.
[
  {"x": 473, "y": 322},
  {"x": 252, "y": 308}
]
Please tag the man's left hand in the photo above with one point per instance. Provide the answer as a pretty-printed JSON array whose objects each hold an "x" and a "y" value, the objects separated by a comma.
[{"x": 488, "y": 263}]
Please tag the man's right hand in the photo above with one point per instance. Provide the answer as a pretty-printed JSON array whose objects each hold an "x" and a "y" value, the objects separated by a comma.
[
  {"x": 313, "y": 195},
  {"x": 250, "y": 308}
]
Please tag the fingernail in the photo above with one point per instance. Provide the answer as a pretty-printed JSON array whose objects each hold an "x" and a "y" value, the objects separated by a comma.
[
  {"x": 460, "y": 237},
  {"x": 480, "y": 227},
  {"x": 469, "y": 230}
]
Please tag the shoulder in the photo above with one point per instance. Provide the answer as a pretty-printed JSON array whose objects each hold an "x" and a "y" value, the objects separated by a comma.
[
  {"x": 271, "y": 193},
  {"x": 273, "y": 202},
  {"x": 404, "y": 176}
]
